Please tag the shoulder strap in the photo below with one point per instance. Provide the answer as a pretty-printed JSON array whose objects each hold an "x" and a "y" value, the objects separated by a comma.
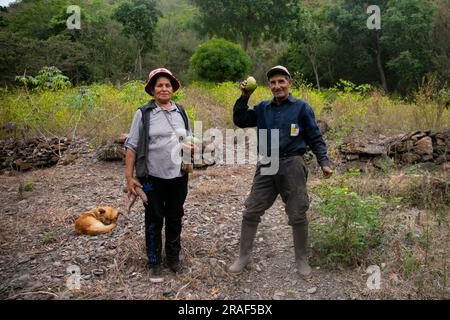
[
  {"x": 146, "y": 127},
  {"x": 149, "y": 105},
  {"x": 184, "y": 116}
]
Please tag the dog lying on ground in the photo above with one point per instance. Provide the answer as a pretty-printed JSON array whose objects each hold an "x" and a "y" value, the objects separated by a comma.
[{"x": 98, "y": 221}]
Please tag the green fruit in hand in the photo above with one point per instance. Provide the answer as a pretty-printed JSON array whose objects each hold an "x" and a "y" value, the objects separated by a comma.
[{"x": 251, "y": 84}]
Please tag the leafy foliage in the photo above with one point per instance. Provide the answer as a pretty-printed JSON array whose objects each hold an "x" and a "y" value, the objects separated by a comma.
[
  {"x": 245, "y": 21},
  {"x": 120, "y": 40},
  {"x": 49, "y": 78},
  {"x": 351, "y": 229},
  {"x": 139, "y": 18},
  {"x": 220, "y": 60}
]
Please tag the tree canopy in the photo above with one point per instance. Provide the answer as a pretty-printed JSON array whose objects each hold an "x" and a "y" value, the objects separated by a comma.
[{"x": 323, "y": 40}]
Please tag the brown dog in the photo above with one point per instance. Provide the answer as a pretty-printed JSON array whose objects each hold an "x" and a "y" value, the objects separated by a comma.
[{"x": 97, "y": 221}]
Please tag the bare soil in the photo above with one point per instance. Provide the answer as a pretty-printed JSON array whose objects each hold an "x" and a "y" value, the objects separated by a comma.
[{"x": 38, "y": 243}]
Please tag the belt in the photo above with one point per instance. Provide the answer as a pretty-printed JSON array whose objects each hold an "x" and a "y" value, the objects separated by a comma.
[{"x": 291, "y": 154}]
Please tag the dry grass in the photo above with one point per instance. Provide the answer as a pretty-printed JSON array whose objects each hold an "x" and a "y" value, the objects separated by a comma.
[{"x": 416, "y": 224}]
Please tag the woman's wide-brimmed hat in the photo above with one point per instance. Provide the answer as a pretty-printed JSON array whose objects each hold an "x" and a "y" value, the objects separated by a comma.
[{"x": 153, "y": 75}]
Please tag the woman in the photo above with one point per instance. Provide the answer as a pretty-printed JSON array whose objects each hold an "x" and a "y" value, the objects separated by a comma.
[{"x": 153, "y": 150}]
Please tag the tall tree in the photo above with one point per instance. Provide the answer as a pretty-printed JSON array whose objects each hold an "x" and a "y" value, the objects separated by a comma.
[
  {"x": 440, "y": 40},
  {"x": 406, "y": 35},
  {"x": 309, "y": 35},
  {"x": 111, "y": 54},
  {"x": 355, "y": 39},
  {"x": 399, "y": 50},
  {"x": 139, "y": 19},
  {"x": 246, "y": 21},
  {"x": 175, "y": 38}
]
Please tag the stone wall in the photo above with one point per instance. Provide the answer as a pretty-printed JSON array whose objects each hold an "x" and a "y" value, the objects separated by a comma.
[
  {"x": 415, "y": 147},
  {"x": 421, "y": 146},
  {"x": 22, "y": 155}
]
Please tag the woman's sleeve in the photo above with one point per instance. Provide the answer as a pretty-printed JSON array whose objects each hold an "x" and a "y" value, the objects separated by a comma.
[{"x": 133, "y": 137}]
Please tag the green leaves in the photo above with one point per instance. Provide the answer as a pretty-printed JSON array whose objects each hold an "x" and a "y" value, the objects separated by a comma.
[
  {"x": 351, "y": 226},
  {"x": 49, "y": 78},
  {"x": 139, "y": 18},
  {"x": 220, "y": 60},
  {"x": 245, "y": 21}
]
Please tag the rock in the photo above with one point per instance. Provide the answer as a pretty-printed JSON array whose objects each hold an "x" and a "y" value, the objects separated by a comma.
[
  {"x": 417, "y": 136},
  {"x": 22, "y": 165},
  {"x": 98, "y": 272},
  {"x": 427, "y": 158},
  {"x": 121, "y": 138},
  {"x": 363, "y": 148},
  {"x": 351, "y": 157},
  {"x": 400, "y": 147},
  {"x": 312, "y": 290},
  {"x": 441, "y": 159},
  {"x": 279, "y": 295},
  {"x": 68, "y": 159},
  {"x": 20, "y": 282},
  {"x": 440, "y": 141},
  {"x": 23, "y": 259},
  {"x": 111, "y": 152},
  {"x": 424, "y": 146},
  {"x": 410, "y": 157},
  {"x": 23, "y": 203}
]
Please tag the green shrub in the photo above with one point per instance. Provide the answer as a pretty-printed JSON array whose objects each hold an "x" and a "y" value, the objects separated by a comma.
[
  {"x": 350, "y": 228},
  {"x": 349, "y": 87},
  {"x": 220, "y": 60},
  {"x": 48, "y": 78}
]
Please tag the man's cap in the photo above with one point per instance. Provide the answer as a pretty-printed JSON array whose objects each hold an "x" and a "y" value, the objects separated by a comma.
[
  {"x": 278, "y": 70},
  {"x": 152, "y": 77}
]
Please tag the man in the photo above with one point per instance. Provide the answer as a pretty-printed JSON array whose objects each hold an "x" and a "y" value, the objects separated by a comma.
[{"x": 298, "y": 129}]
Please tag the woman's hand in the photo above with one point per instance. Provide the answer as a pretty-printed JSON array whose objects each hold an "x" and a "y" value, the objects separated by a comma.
[
  {"x": 131, "y": 186},
  {"x": 188, "y": 147}
]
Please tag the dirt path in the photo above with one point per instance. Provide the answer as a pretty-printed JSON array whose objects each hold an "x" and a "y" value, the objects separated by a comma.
[{"x": 38, "y": 243}]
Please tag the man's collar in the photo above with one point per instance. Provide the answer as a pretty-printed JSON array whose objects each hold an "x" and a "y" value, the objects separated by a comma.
[{"x": 290, "y": 98}]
